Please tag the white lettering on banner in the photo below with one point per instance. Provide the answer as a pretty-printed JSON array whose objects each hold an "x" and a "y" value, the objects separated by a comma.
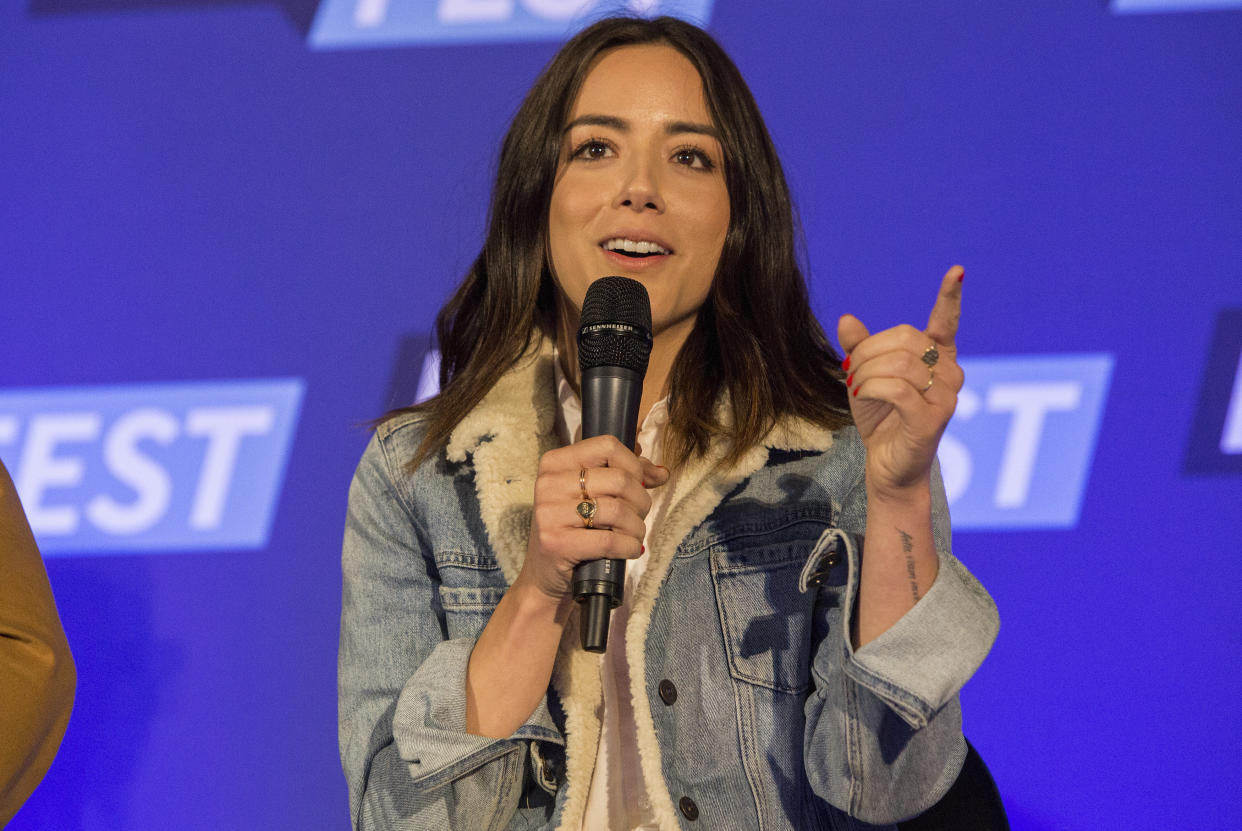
[
  {"x": 472, "y": 11},
  {"x": 1030, "y": 404},
  {"x": 142, "y": 473},
  {"x": 556, "y": 9},
  {"x": 1231, "y": 436},
  {"x": 187, "y": 465},
  {"x": 343, "y": 24},
  {"x": 495, "y": 11},
  {"x": 44, "y": 465},
  {"x": 370, "y": 13},
  {"x": 41, "y": 469},
  {"x": 1018, "y": 451},
  {"x": 223, "y": 427}
]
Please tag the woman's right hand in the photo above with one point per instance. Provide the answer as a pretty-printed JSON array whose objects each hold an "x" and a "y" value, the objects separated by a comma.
[{"x": 617, "y": 480}]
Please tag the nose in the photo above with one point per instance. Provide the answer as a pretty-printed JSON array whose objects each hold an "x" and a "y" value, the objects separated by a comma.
[{"x": 639, "y": 190}]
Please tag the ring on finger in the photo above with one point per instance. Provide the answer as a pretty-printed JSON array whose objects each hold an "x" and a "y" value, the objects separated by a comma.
[
  {"x": 586, "y": 511},
  {"x": 930, "y": 355},
  {"x": 582, "y": 485},
  {"x": 931, "y": 378}
]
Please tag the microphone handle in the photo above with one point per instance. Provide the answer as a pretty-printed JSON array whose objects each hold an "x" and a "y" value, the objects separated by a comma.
[{"x": 610, "y": 401}]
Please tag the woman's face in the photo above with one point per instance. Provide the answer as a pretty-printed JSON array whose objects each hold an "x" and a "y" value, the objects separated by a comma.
[{"x": 640, "y": 190}]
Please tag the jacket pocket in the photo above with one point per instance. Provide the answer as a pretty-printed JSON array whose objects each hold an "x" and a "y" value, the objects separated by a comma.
[
  {"x": 471, "y": 586},
  {"x": 766, "y": 621}
]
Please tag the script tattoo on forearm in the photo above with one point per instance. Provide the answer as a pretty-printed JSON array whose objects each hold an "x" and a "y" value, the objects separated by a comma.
[{"x": 907, "y": 545}]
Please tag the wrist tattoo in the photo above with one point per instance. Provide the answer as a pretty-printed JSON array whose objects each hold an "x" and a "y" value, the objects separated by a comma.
[{"x": 907, "y": 545}]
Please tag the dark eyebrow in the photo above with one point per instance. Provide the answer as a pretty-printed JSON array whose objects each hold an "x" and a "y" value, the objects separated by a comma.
[
  {"x": 597, "y": 121},
  {"x": 672, "y": 128},
  {"x": 675, "y": 127}
]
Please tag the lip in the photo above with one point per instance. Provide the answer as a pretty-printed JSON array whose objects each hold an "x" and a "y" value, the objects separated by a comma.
[{"x": 620, "y": 263}]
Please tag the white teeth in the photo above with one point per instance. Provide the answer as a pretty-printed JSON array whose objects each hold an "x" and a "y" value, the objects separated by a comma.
[{"x": 635, "y": 247}]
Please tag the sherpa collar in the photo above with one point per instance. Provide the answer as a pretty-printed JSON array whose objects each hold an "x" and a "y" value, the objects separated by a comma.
[{"x": 523, "y": 401}]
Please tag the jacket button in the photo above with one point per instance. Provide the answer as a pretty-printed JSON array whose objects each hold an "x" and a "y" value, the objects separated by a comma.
[
  {"x": 668, "y": 692},
  {"x": 688, "y": 809}
]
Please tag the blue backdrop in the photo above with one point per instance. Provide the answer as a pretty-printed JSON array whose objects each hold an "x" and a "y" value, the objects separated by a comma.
[{"x": 225, "y": 228}]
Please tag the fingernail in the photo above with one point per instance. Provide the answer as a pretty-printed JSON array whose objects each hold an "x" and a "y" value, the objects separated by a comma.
[
  {"x": 961, "y": 277},
  {"x": 846, "y": 363},
  {"x": 644, "y": 550},
  {"x": 850, "y": 380},
  {"x": 855, "y": 393},
  {"x": 643, "y": 483}
]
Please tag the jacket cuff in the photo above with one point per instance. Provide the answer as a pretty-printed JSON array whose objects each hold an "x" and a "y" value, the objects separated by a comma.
[
  {"x": 919, "y": 664},
  {"x": 429, "y": 725}
]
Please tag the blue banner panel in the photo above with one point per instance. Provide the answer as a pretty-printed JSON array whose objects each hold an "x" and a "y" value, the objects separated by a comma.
[
  {"x": 1138, "y": 6},
  {"x": 1215, "y": 444},
  {"x": 1019, "y": 448},
  {"x": 353, "y": 23},
  {"x": 1020, "y": 445},
  {"x": 150, "y": 467}
]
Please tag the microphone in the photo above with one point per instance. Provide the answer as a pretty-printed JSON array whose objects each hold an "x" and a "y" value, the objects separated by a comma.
[{"x": 614, "y": 342}]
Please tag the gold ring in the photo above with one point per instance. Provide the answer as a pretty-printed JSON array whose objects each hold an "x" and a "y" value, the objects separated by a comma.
[
  {"x": 582, "y": 484},
  {"x": 586, "y": 510},
  {"x": 931, "y": 377},
  {"x": 930, "y": 355}
]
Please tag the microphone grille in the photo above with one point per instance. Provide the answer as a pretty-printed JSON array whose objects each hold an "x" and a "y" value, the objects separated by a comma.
[{"x": 615, "y": 325}]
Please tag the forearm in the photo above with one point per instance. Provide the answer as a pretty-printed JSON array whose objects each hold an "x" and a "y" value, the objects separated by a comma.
[
  {"x": 511, "y": 664},
  {"x": 899, "y": 562}
]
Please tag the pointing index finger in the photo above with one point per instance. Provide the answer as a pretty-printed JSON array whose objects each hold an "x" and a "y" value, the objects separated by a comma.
[{"x": 942, "y": 323}]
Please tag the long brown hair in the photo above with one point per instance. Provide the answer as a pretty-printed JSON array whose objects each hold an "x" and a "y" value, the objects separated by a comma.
[{"x": 756, "y": 348}]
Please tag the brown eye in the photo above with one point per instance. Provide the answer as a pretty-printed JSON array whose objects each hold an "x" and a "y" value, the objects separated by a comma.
[
  {"x": 693, "y": 157},
  {"x": 592, "y": 150}
]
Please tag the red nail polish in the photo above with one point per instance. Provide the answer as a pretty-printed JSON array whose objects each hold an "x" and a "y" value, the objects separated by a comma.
[
  {"x": 855, "y": 393},
  {"x": 643, "y": 483},
  {"x": 961, "y": 277},
  {"x": 644, "y": 550},
  {"x": 850, "y": 380},
  {"x": 846, "y": 363}
]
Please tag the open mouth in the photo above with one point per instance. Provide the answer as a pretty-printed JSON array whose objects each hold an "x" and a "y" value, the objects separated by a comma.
[{"x": 638, "y": 249}]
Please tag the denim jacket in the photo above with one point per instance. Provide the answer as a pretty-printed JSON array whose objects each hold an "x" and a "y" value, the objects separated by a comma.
[{"x": 752, "y": 708}]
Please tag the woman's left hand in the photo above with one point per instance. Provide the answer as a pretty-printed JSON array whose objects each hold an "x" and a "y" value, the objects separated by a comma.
[{"x": 903, "y": 386}]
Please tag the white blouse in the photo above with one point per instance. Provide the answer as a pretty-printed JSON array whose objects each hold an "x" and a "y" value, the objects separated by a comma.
[{"x": 617, "y": 800}]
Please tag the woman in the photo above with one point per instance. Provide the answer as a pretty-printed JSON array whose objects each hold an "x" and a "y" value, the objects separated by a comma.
[
  {"x": 761, "y": 672},
  {"x": 37, "y": 675}
]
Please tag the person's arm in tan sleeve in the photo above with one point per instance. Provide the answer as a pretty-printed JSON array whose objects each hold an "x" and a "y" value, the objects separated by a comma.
[{"x": 37, "y": 675}]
